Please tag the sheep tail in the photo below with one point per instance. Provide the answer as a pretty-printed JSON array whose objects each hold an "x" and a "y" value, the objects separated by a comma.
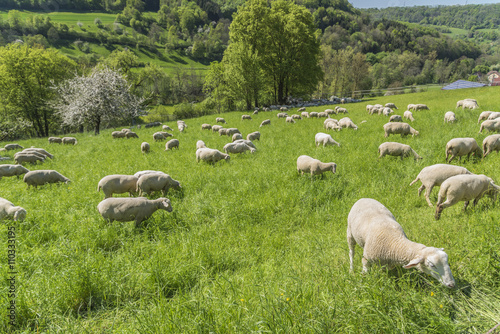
[{"x": 414, "y": 181}]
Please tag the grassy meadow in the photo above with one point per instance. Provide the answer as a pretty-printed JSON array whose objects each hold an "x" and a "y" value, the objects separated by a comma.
[{"x": 250, "y": 245}]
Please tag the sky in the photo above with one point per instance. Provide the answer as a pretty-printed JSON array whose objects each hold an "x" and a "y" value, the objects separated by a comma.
[{"x": 411, "y": 3}]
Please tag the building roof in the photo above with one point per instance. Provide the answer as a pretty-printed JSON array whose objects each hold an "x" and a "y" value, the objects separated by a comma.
[{"x": 463, "y": 84}]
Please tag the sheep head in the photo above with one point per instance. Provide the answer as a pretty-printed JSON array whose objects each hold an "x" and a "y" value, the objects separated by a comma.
[{"x": 434, "y": 262}]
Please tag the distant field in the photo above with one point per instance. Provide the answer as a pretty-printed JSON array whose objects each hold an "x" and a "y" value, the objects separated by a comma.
[{"x": 250, "y": 245}]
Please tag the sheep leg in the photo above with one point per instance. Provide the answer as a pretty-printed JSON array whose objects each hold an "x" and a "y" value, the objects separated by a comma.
[
  {"x": 422, "y": 187},
  {"x": 352, "y": 250},
  {"x": 466, "y": 204},
  {"x": 442, "y": 206},
  {"x": 366, "y": 264},
  {"x": 427, "y": 195}
]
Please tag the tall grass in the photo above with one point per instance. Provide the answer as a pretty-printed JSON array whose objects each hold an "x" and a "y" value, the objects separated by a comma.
[{"x": 251, "y": 246}]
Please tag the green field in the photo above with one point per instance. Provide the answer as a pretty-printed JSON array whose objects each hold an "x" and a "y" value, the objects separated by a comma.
[{"x": 251, "y": 246}]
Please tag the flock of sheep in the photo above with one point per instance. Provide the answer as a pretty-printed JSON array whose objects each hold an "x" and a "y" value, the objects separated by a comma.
[{"x": 370, "y": 224}]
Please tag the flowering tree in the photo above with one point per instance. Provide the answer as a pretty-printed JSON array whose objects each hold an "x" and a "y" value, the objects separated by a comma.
[{"x": 102, "y": 96}]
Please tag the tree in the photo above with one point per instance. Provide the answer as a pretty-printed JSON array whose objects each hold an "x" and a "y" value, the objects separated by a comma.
[
  {"x": 103, "y": 96},
  {"x": 26, "y": 75}
]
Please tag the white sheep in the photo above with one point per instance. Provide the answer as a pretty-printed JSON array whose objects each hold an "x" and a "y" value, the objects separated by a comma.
[
  {"x": 391, "y": 105},
  {"x": 167, "y": 128},
  {"x": 141, "y": 173},
  {"x": 322, "y": 114},
  {"x": 206, "y": 126},
  {"x": 296, "y": 116},
  {"x": 435, "y": 175},
  {"x": 181, "y": 127},
  {"x": 306, "y": 164},
  {"x": 216, "y": 128},
  {"x": 341, "y": 110},
  {"x": 313, "y": 114},
  {"x": 116, "y": 134},
  {"x": 211, "y": 155},
  {"x": 157, "y": 136},
  {"x": 130, "y": 134},
  {"x": 494, "y": 115},
  {"x": 128, "y": 209},
  {"x": 304, "y": 114},
  {"x": 239, "y": 147},
  {"x": 222, "y": 132},
  {"x": 449, "y": 117},
  {"x": 117, "y": 184},
  {"x": 39, "y": 151},
  {"x": 418, "y": 106},
  {"x": 282, "y": 115},
  {"x": 12, "y": 170},
  {"x": 29, "y": 157},
  {"x": 246, "y": 117},
  {"x": 289, "y": 120},
  {"x": 333, "y": 126},
  {"x": 397, "y": 150},
  {"x": 470, "y": 104},
  {"x": 265, "y": 122},
  {"x": 399, "y": 128},
  {"x": 464, "y": 188},
  {"x": 484, "y": 115},
  {"x": 461, "y": 102},
  {"x": 145, "y": 147},
  {"x": 395, "y": 118},
  {"x": 325, "y": 139},
  {"x": 10, "y": 211},
  {"x": 56, "y": 140},
  {"x": 70, "y": 140},
  {"x": 369, "y": 107},
  {"x": 200, "y": 144},
  {"x": 491, "y": 144},
  {"x": 301, "y": 109},
  {"x": 253, "y": 136},
  {"x": 346, "y": 122},
  {"x": 247, "y": 142},
  {"x": 492, "y": 125},
  {"x": 40, "y": 177},
  {"x": 387, "y": 111},
  {"x": 237, "y": 136},
  {"x": 283, "y": 109},
  {"x": 458, "y": 147},
  {"x": 10, "y": 147},
  {"x": 231, "y": 131},
  {"x": 171, "y": 144},
  {"x": 373, "y": 227},
  {"x": 152, "y": 182},
  {"x": 408, "y": 115},
  {"x": 330, "y": 111},
  {"x": 220, "y": 120}
]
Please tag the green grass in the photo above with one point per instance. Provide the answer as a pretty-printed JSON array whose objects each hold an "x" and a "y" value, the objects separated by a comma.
[{"x": 251, "y": 246}]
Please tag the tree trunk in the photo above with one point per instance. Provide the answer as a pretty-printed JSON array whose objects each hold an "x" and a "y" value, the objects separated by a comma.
[{"x": 97, "y": 125}]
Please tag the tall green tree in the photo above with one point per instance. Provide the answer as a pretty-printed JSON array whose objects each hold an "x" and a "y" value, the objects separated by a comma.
[{"x": 26, "y": 76}]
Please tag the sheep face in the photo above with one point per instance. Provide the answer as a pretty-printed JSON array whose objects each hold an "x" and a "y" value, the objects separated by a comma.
[
  {"x": 20, "y": 214},
  {"x": 434, "y": 262},
  {"x": 165, "y": 204}
]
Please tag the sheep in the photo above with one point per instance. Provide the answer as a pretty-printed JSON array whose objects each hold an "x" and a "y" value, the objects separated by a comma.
[
  {"x": 458, "y": 147},
  {"x": 246, "y": 117},
  {"x": 71, "y": 140},
  {"x": 373, "y": 227},
  {"x": 181, "y": 126},
  {"x": 166, "y": 134},
  {"x": 435, "y": 175},
  {"x": 328, "y": 120},
  {"x": 491, "y": 144},
  {"x": 396, "y": 118},
  {"x": 304, "y": 114},
  {"x": 38, "y": 150},
  {"x": 125, "y": 130},
  {"x": 158, "y": 136},
  {"x": 32, "y": 158},
  {"x": 40, "y": 177},
  {"x": 34, "y": 153},
  {"x": 211, "y": 155},
  {"x": 397, "y": 150},
  {"x": 330, "y": 111},
  {"x": 391, "y": 105},
  {"x": 341, "y": 110},
  {"x": 151, "y": 182},
  {"x": 387, "y": 111},
  {"x": 333, "y": 126},
  {"x": 10, "y": 211},
  {"x": 200, "y": 144},
  {"x": 12, "y": 170},
  {"x": 255, "y": 112},
  {"x": 290, "y": 120},
  {"x": 494, "y": 115},
  {"x": 55, "y": 140},
  {"x": 117, "y": 184},
  {"x": 10, "y": 147},
  {"x": 128, "y": 209},
  {"x": 490, "y": 125},
  {"x": 301, "y": 109},
  {"x": 206, "y": 126},
  {"x": 470, "y": 104},
  {"x": 118, "y": 134},
  {"x": 171, "y": 144},
  {"x": 369, "y": 107},
  {"x": 220, "y": 120},
  {"x": 239, "y": 147},
  {"x": 449, "y": 117},
  {"x": 131, "y": 134},
  {"x": 313, "y": 114},
  {"x": 141, "y": 173},
  {"x": 181, "y": 122},
  {"x": 419, "y": 107},
  {"x": 167, "y": 128},
  {"x": 153, "y": 124},
  {"x": 283, "y": 109},
  {"x": 231, "y": 131},
  {"x": 325, "y": 139},
  {"x": 216, "y": 128},
  {"x": 399, "y": 127},
  {"x": 408, "y": 115},
  {"x": 322, "y": 114},
  {"x": 484, "y": 115},
  {"x": 254, "y": 136},
  {"x": 145, "y": 147},
  {"x": 306, "y": 164},
  {"x": 411, "y": 106},
  {"x": 222, "y": 131},
  {"x": 282, "y": 115},
  {"x": 461, "y": 102},
  {"x": 346, "y": 122},
  {"x": 237, "y": 136},
  {"x": 246, "y": 141},
  {"x": 265, "y": 122},
  {"x": 464, "y": 188},
  {"x": 295, "y": 116}
]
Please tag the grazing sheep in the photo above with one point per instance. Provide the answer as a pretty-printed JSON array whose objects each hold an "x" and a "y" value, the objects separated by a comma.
[
  {"x": 419, "y": 106},
  {"x": 141, "y": 173},
  {"x": 283, "y": 109},
  {"x": 304, "y": 114},
  {"x": 131, "y": 134},
  {"x": 458, "y": 147},
  {"x": 332, "y": 126},
  {"x": 237, "y": 136},
  {"x": 322, "y": 114},
  {"x": 464, "y": 188},
  {"x": 34, "y": 153},
  {"x": 346, "y": 122},
  {"x": 282, "y": 115},
  {"x": 369, "y": 107},
  {"x": 484, "y": 115},
  {"x": 56, "y": 140},
  {"x": 492, "y": 125},
  {"x": 166, "y": 134},
  {"x": 152, "y": 182},
  {"x": 341, "y": 110},
  {"x": 449, "y": 117},
  {"x": 40, "y": 177},
  {"x": 206, "y": 126},
  {"x": 128, "y": 209},
  {"x": 71, "y": 140},
  {"x": 301, "y": 109},
  {"x": 398, "y": 127},
  {"x": 181, "y": 126},
  {"x": 397, "y": 150},
  {"x": 391, "y": 105},
  {"x": 222, "y": 131},
  {"x": 220, "y": 120},
  {"x": 494, "y": 115},
  {"x": 461, "y": 102},
  {"x": 10, "y": 211},
  {"x": 157, "y": 136},
  {"x": 491, "y": 144},
  {"x": 12, "y": 170},
  {"x": 410, "y": 106},
  {"x": 231, "y": 131},
  {"x": 211, "y": 155},
  {"x": 408, "y": 115},
  {"x": 253, "y": 136},
  {"x": 470, "y": 104},
  {"x": 325, "y": 139},
  {"x": 31, "y": 157},
  {"x": 246, "y": 117},
  {"x": 330, "y": 111},
  {"x": 167, "y": 128},
  {"x": 313, "y": 114},
  {"x": 328, "y": 120},
  {"x": 387, "y": 111},
  {"x": 118, "y": 134},
  {"x": 117, "y": 184},
  {"x": 153, "y": 124},
  {"x": 39, "y": 151},
  {"x": 171, "y": 144},
  {"x": 373, "y": 227},
  {"x": 10, "y": 147},
  {"x": 239, "y": 147},
  {"x": 216, "y": 128},
  {"x": 265, "y": 122},
  {"x": 125, "y": 130},
  {"x": 306, "y": 164},
  {"x": 396, "y": 118},
  {"x": 295, "y": 116},
  {"x": 200, "y": 144},
  {"x": 290, "y": 120},
  {"x": 247, "y": 142},
  {"x": 255, "y": 112},
  {"x": 435, "y": 175},
  {"x": 145, "y": 147}
]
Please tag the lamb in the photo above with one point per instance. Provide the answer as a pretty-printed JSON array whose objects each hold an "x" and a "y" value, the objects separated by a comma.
[
  {"x": 10, "y": 211},
  {"x": 158, "y": 136},
  {"x": 239, "y": 147},
  {"x": 71, "y": 140},
  {"x": 435, "y": 175},
  {"x": 216, "y": 128},
  {"x": 220, "y": 120},
  {"x": 206, "y": 126},
  {"x": 408, "y": 115},
  {"x": 254, "y": 136},
  {"x": 38, "y": 150},
  {"x": 290, "y": 120},
  {"x": 464, "y": 188},
  {"x": 373, "y": 227},
  {"x": 458, "y": 147},
  {"x": 346, "y": 122},
  {"x": 117, "y": 184},
  {"x": 237, "y": 136},
  {"x": 391, "y": 105},
  {"x": 40, "y": 177},
  {"x": 490, "y": 125},
  {"x": 167, "y": 128},
  {"x": 494, "y": 115},
  {"x": 211, "y": 155},
  {"x": 12, "y": 170},
  {"x": 265, "y": 122},
  {"x": 304, "y": 114},
  {"x": 247, "y": 142},
  {"x": 396, "y": 118},
  {"x": 55, "y": 140},
  {"x": 128, "y": 209},
  {"x": 397, "y": 150},
  {"x": 10, "y": 147},
  {"x": 145, "y": 147},
  {"x": 491, "y": 144},
  {"x": 306, "y": 164},
  {"x": 484, "y": 115},
  {"x": 32, "y": 158},
  {"x": 449, "y": 117},
  {"x": 325, "y": 139},
  {"x": 151, "y": 182},
  {"x": 200, "y": 144},
  {"x": 171, "y": 144},
  {"x": 118, "y": 134},
  {"x": 398, "y": 127},
  {"x": 246, "y": 117}
]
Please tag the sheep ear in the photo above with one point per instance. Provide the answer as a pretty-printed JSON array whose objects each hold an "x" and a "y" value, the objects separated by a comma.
[{"x": 414, "y": 262}]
